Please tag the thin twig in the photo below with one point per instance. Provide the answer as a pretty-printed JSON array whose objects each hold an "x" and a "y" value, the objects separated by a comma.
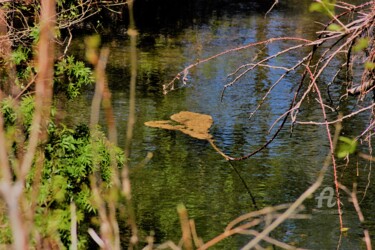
[
  {"x": 300, "y": 199},
  {"x": 126, "y": 187},
  {"x": 184, "y": 72},
  {"x": 354, "y": 200},
  {"x": 332, "y": 148}
]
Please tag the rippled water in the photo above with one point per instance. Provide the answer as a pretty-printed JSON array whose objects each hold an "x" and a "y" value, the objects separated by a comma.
[{"x": 186, "y": 170}]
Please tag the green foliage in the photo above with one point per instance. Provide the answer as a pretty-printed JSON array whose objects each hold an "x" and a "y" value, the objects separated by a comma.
[
  {"x": 70, "y": 154},
  {"x": 334, "y": 27},
  {"x": 5, "y": 233},
  {"x": 26, "y": 111},
  {"x": 361, "y": 44},
  {"x": 71, "y": 157},
  {"x": 369, "y": 65},
  {"x": 34, "y": 33},
  {"x": 21, "y": 54},
  {"x": 23, "y": 113},
  {"x": 7, "y": 111},
  {"x": 346, "y": 147},
  {"x": 71, "y": 76},
  {"x": 69, "y": 10},
  {"x": 326, "y": 7},
  {"x": 21, "y": 58}
]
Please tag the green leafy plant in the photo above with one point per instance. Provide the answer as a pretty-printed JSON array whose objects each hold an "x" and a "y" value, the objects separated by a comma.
[
  {"x": 21, "y": 54},
  {"x": 71, "y": 76},
  {"x": 71, "y": 157},
  {"x": 69, "y": 164}
]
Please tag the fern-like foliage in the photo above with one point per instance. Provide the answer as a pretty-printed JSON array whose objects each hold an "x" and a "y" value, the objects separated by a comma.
[{"x": 71, "y": 157}]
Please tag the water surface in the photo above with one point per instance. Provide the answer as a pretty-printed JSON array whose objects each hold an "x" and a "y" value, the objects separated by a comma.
[{"x": 189, "y": 171}]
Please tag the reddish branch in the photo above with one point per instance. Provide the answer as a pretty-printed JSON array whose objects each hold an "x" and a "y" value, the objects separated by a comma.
[
  {"x": 357, "y": 24},
  {"x": 330, "y": 45},
  {"x": 182, "y": 76},
  {"x": 331, "y": 146}
]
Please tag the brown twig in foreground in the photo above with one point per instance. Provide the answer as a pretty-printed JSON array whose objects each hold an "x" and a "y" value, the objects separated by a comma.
[
  {"x": 354, "y": 200},
  {"x": 12, "y": 191},
  {"x": 126, "y": 186}
]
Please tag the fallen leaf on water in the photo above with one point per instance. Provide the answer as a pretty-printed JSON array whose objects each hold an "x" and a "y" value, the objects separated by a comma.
[
  {"x": 163, "y": 125},
  {"x": 193, "y": 124}
]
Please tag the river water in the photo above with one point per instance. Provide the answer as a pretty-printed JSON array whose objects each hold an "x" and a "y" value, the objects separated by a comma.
[{"x": 189, "y": 171}]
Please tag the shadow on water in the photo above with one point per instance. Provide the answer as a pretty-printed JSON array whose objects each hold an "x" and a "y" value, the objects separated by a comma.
[{"x": 189, "y": 171}]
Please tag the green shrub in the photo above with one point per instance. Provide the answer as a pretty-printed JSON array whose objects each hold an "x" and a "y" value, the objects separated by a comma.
[
  {"x": 71, "y": 157},
  {"x": 71, "y": 76}
]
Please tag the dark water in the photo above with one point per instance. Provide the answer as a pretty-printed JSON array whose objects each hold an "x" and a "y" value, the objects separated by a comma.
[{"x": 186, "y": 170}]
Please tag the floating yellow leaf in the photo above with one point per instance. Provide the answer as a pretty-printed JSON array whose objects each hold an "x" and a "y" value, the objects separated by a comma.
[{"x": 193, "y": 124}]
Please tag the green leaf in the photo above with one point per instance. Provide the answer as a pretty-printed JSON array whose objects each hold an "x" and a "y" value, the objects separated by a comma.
[
  {"x": 316, "y": 7},
  {"x": 369, "y": 65},
  {"x": 361, "y": 44},
  {"x": 334, "y": 27},
  {"x": 326, "y": 7},
  {"x": 34, "y": 34},
  {"x": 71, "y": 76},
  {"x": 344, "y": 229},
  {"x": 21, "y": 54},
  {"x": 348, "y": 146}
]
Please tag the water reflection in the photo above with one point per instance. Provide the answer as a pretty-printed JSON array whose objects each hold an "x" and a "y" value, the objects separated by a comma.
[{"x": 185, "y": 170}]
